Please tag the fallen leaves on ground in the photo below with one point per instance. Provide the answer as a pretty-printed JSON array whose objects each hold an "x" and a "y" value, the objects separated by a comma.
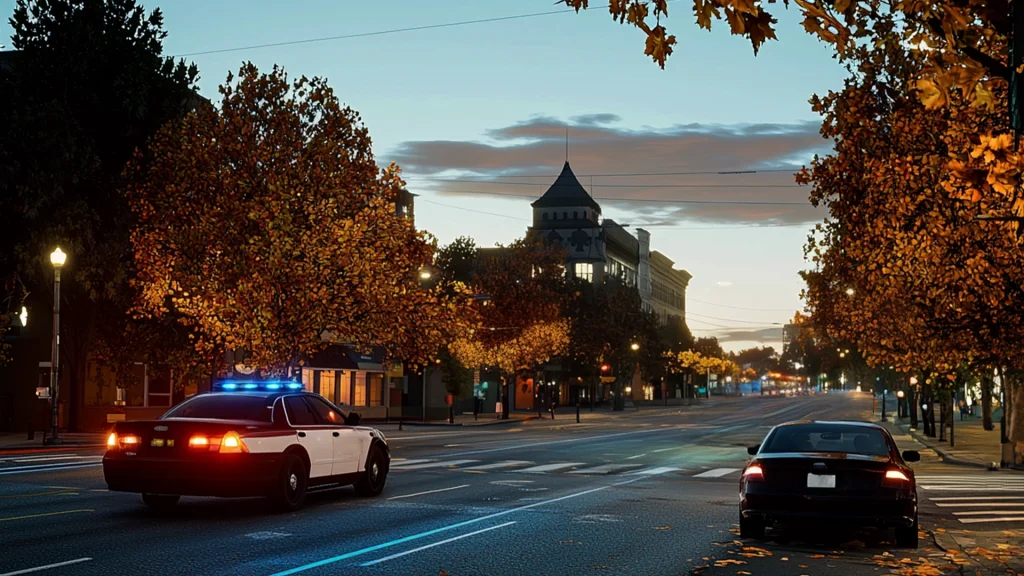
[
  {"x": 727, "y": 562},
  {"x": 662, "y": 527}
]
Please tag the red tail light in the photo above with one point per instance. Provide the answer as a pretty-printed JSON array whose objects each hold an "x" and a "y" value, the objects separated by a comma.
[
  {"x": 122, "y": 442},
  {"x": 230, "y": 443},
  {"x": 199, "y": 442},
  {"x": 753, "y": 473}
]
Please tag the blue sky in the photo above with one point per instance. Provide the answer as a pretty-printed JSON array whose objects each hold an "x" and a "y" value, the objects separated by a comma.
[{"x": 490, "y": 102}]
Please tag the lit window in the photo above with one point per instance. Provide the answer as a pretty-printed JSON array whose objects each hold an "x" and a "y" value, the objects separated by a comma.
[{"x": 584, "y": 271}]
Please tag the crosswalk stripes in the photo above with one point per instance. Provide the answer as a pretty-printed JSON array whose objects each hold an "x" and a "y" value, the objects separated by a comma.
[
  {"x": 979, "y": 499},
  {"x": 575, "y": 468}
]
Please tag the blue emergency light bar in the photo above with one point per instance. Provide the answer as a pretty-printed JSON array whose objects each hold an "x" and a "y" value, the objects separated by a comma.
[{"x": 250, "y": 385}]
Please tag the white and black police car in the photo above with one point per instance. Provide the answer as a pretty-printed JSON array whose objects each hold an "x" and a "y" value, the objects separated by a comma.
[{"x": 266, "y": 438}]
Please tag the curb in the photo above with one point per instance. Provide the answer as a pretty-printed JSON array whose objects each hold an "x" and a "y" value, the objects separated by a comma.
[
  {"x": 465, "y": 425},
  {"x": 943, "y": 455}
]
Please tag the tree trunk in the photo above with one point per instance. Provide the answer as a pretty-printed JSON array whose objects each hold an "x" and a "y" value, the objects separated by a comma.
[
  {"x": 1015, "y": 420},
  {"x": 986, "y": 402},
  {"x": 942, "y": 420}
]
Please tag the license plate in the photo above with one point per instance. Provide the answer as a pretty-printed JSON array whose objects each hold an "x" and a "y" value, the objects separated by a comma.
[
  {"x": 160, "y": 443},
  {"x": 821, "y": 481}
]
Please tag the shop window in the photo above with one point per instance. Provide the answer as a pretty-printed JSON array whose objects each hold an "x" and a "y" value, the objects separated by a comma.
[
  {"x": 327, "y": 386},
  {"x": 376, "y": 389},
  {"x": 584, "y": 271},
  {"x": 360, "y": 396},
  {"x": 346, "y": 388},
  {"x": 307, "y": 380}
]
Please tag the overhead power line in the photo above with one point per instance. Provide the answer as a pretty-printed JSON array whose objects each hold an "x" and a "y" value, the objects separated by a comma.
[
  {"x": 621, "y": 174},
  {"x": 761, "y": 323},
  {"x": 545, "y": 184},
  {"x": 378, "y": 33},
  {"x": 646, "y": 200},
  {"x": 689, "y": 299}
]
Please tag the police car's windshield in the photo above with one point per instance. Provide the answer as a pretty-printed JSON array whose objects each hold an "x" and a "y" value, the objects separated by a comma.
[{"x": 224, "y": 407}]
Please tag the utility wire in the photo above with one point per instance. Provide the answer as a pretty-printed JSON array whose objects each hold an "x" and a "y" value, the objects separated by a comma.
[
  {"x": 623, "y": 174},
  {"x": 645, "y": 200},
  {"x": 452, "y": 180},
  {"x": 377, "y": 33},
  {"x": 725, "y": 319}
]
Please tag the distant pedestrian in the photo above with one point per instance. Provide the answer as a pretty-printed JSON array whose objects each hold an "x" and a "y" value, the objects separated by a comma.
[{"x": 963, "y": 409}]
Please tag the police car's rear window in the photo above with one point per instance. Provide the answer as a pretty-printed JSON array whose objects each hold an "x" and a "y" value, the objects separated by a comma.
[{"x": 226, "y": 407}]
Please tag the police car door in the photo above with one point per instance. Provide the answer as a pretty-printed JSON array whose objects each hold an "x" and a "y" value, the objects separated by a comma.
[
  {"x": 347, "y": 445},
  {"x": 316, "y": 439}
]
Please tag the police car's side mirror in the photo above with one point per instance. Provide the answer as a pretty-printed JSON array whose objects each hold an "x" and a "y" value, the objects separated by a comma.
[{"x": 352, "y": 419}]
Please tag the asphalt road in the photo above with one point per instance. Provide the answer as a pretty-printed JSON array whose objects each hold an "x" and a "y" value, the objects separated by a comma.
[{"x": 649, "y": 492}]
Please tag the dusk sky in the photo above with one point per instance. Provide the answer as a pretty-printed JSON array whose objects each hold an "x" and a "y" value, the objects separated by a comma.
[{"x": 490, "y": 102}]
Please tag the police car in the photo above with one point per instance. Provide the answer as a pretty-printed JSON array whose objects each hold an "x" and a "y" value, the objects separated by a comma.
[{"x": 269, "y": 439}]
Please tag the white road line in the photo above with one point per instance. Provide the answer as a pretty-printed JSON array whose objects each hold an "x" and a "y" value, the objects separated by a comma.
[
  {"x": 504, "y": 464},
  {"x": 666, "y": 449},
  {"x": 395, "y": 464},
  {"x": 47, "y": 567},
  {"x": 979, "y": 520},
  {"x": 986, "y": 512},
  {"x": 441, "y": 464},
  {"x": 51, "y": 469},
  {"x": 977, "y": 504},
  {"x": 970, "y": 489},
  {"x": 34, "y": 455},
  {"x": 956, "y": 498},
  {"x": 654, "y": 471},
  {"x": 565, "y": 441},
  {"x": 637, "y": 456},
  {"x": 606, "y": 469},
  {"x": 453, "y": 539},
  {"x": 550, "y": 467},
  {"x": 417, "y": 536},
  {"x": 428, "y": 492},
  {"x": 716, "y": 473},
  {"x": 53, "y": 458}
]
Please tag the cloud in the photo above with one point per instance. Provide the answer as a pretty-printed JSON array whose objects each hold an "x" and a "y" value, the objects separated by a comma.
[
  {"x": 746, "y": 335},
  {"x": 524, "y": 158}
]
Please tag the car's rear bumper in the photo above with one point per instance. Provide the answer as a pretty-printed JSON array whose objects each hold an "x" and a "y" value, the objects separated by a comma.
[
  {"x": 227, "y": 475},
  {"x": 883, "y": 510}
]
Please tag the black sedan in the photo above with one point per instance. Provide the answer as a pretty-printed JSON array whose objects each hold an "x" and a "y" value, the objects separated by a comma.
[{"x": 835, "y": 472}]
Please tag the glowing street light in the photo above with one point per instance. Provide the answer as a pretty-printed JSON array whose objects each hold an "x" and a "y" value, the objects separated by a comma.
[
  {"x": 425, "y": 274},
  {"x": 634, "y": 346},
  {"x": 849, "y": 292},
  {"x": 57, "y": 259}
]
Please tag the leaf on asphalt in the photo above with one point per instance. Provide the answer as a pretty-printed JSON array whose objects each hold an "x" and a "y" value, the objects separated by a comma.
[
  {"x": 743, "y": 572},
  {"x": 662, "y": 527},
  {"x": 570, "y": 541},
  {"x": 803, "y": 565},
  {"x": 817, "y": 556},
  {"x": 727, "y": 562},
  {"x": 442, "y": 573},
  {"x": 784, "y": 559}
]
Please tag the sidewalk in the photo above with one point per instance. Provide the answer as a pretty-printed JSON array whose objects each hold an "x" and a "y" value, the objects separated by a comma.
[
  {"x": 14, "y": 443},
  {"x": 973, "y": 445}
]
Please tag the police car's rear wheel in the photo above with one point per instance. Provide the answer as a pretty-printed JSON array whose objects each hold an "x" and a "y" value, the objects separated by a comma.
[
  {"x": 290, "y": 492},
  {"x": 160, "y": 501},
  {"x": 375, "y": 476}
]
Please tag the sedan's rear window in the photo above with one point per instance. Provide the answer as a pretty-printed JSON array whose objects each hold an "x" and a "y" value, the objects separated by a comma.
[
  {"x": 827, "y": 438},
  {"x": 224, "y": 407}
]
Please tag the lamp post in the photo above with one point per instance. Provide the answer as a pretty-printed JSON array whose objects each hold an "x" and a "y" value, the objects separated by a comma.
[
  {"x": 885, "y": 392},
  {"x": 57, "y": 259},
  {"x": 899, "y": 403}
]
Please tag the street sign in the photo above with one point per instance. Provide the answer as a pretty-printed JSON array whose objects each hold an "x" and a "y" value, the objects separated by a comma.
[
  {"x": 43, "y": 392},
  {"x": 607, "y": 378}
]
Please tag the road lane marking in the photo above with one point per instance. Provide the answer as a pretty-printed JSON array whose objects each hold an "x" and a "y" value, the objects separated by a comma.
[
  {"x": 606, "y": 469},
  {"x": 52, "y": 458},
  {"x": 666, "y": 449},
  {"x": 637, "y": 456},
  {"x": 47, "y": 567},
  {"x": 408, "y": 462},
  {"x": 428, "y": 492},
  {"x": 550, "y": 442},
  {"x": 550, "y": 467},
  {"x": 955, "y": 498},
  {"x": 46, "y": 514},
  {"x": 986, "y": 512},
  {"x": 503, "y": 464},
  {"x": 654, "y": 471},
  {"x": 1000, "y": 519},
  {"x": 453, "y": 539},
  {"x": 55, "y": 493},
  {"x": 716, "y": 473},
  {"x": 441, "y": 464},
  {"x": 420, "y": 535},
  {"x": 971, "y": 489},
  {"x": 965, "y": 505},
  {"x": 50, "y": 469}
]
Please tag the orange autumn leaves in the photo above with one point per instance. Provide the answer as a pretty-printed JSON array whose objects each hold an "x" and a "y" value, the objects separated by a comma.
[
  {"x": 266, "y": 225},
  {"x": 963, "y": 47}
]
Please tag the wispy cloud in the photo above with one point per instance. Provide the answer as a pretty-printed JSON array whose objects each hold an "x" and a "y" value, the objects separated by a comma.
[{"x": 523, "y": 159}]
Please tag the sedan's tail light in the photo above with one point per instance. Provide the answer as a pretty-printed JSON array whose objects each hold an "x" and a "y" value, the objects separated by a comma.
[
  {"x": 199, "y": 442},
  {"x": 753, "y": 473},
  {"x": 122, "y": 441},
  {"x": 895, "y": 477}
]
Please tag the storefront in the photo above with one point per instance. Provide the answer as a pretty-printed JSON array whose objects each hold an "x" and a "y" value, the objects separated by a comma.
[{"x": 353, "y": 380}]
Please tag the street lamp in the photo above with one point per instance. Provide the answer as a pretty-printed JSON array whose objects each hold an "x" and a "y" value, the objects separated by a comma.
[
  {"x": 424, "y": 274},
  {"x": 634, "y": 346},
  {"x": 57, "y": 259},
  {"x": 899, "y": 403},
  {"x": 849, "y": 292},
  {"x": 23, "y": 316}
]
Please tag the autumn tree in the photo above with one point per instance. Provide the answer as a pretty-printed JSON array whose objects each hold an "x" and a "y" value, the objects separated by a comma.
[
  {"x": 265, "y": 225},
  {"x": 521, "y": 326},
  {"x": 85, "y": 86},
  {"x": 901, "y": 268}
]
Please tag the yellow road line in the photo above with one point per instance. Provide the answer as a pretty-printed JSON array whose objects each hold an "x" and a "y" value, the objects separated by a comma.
[
  {"x": 46, "y": 514},
  {"x": 60, "y": 492}
]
